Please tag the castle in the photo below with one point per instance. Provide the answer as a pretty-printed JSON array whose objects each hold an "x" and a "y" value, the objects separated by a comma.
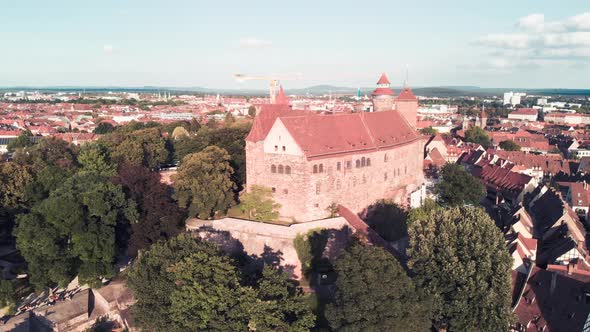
[{"x": 314, "y": 160}]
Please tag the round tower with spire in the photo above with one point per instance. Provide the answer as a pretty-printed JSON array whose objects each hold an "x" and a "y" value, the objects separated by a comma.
[{"x": 383, "y": 95}]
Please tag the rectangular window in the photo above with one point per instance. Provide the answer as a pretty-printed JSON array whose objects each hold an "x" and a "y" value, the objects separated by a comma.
[
  {"x": 284, "y": 149},
  {"x": 276, "y": 148},
  {"x": 349, "y": 164},
  {"x": 274, "y": 190},
  {"x": 338, "y": 166}
]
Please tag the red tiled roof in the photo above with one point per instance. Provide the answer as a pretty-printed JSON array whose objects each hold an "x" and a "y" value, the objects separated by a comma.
[
  {"x": 383, "y": 92},
  {"x": 323, "y": 135},
  {"x": 525, "y": 111},
  {"x": 383, "y": 79},
  {"x": 406, "y": 95}
]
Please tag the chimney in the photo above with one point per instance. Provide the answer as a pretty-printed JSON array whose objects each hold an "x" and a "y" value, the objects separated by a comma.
[{"x": 571, "y": 267}]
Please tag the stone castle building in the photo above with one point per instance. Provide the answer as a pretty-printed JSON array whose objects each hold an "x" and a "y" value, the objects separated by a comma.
[{"x": 314, "y": 160}]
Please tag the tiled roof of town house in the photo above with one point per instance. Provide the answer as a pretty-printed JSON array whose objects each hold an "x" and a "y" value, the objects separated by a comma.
[
  {"x": 525, "y": 111},
  {"x": 328, "y": 135},
  {"x": 553, "y": 301}
]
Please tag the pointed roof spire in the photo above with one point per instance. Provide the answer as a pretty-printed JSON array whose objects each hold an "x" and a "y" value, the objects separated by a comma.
[
  {"x": 281, "y": 98},
  {"x": 383, "y": 79}
]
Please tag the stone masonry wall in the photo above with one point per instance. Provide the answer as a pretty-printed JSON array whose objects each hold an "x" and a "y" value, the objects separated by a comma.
[{"x": 305, "y": 195}]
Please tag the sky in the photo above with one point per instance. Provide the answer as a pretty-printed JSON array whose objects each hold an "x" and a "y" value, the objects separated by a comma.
[{"x": 197, "y": 43}]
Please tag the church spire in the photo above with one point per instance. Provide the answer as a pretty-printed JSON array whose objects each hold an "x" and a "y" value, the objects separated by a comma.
[{"x": 281, "y": 98}]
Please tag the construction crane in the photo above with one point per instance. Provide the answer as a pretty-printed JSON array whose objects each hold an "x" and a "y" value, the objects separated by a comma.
[{"x": 273, "y": 82}]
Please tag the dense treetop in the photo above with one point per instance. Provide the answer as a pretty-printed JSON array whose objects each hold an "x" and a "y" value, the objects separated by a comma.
[
  {"x": 460, "y": 260},
  {"x": 458, "y": 187}
]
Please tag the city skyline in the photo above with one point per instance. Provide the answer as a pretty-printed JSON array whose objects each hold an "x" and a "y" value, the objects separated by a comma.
[{"x": 530, "y": 44}]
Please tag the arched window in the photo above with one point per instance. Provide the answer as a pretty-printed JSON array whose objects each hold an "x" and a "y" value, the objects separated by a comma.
[
  {"x": 280, "y": 169},
  {"x": 287, "y": 169},
  {"x": 358, "y": 163},
  {"x": 315, "y": 169},
  {"x": 368, "y": 161},
  {"x": 349, "y": 164},
  {"x": 273, "y": 168},
  {"x": 321, "y": 168},
  {"x": 363, "y": 162}
]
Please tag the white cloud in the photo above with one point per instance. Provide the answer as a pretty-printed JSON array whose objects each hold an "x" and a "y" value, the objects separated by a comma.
[
  {"x": 108, "y": 49},
  {"x": 536, "y": 42},
  {"x": 533, "y": 22},
  {"x": 254, "y": 43},
  {"x": 579, "y": 22}
]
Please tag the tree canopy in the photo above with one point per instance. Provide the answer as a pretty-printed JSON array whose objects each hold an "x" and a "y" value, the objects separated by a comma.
[
  {"x": 73, "y": 231},
  {"x": 479, "y": 136},
  {"x": 203, "y": 183},
  {"x": 509, "y": 145},
  {"x": 459, "y": 258},
  {"x": 458, "y": 187},
  {"x": 160, "y": 218},
  {"x": 186, "y": 284},
  {"x": 374, "y": 293},
  {"x": 259, "y": 205}
]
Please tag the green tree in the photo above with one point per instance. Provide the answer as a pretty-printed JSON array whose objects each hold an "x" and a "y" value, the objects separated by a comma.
[
  {"x": 458, "y": 187},
  {"x": 203, "y": 183},
  {"x": 160, "y": 218},
  {"x": 186, "y": 284},
  {"x": 94, "y": 158},
  {"x": 259, "y": 205},
  {"x": 428, "y": 131},
  {"x": 252, "y": 111},
  {"x": 22, "y": 141},
  {"x": 459, "y": 258},
  {"x": 7, "y": 291},
  {"x": 310, "y": 248},
  {"x": 49, "y": 152},
  {"x": 479, "y": 136},
  {"x": 374, "y": 293},
  {"x": 14, "y": 179},
  {"x": 78, "y": 229},
  {"x": 509, "y": 145},
  {"x": 387, "y": 219},
  {"x": 144, "y": 147},
  {"x": 104, "y": 128}
]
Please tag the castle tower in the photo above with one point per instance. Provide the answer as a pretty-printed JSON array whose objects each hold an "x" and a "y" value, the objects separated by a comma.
[
  {"x": 407, "y": 104},
  {"x": 383, "y": 95}
]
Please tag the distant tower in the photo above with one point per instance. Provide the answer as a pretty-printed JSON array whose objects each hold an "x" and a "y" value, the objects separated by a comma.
[
  {"x": 483, "y": 117},
  {"x": 407, "y": 104},
  {"x": 383, "y": 95},
  {"x": 466, "y": 123},
  {"x": 281, "y": 98}
]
